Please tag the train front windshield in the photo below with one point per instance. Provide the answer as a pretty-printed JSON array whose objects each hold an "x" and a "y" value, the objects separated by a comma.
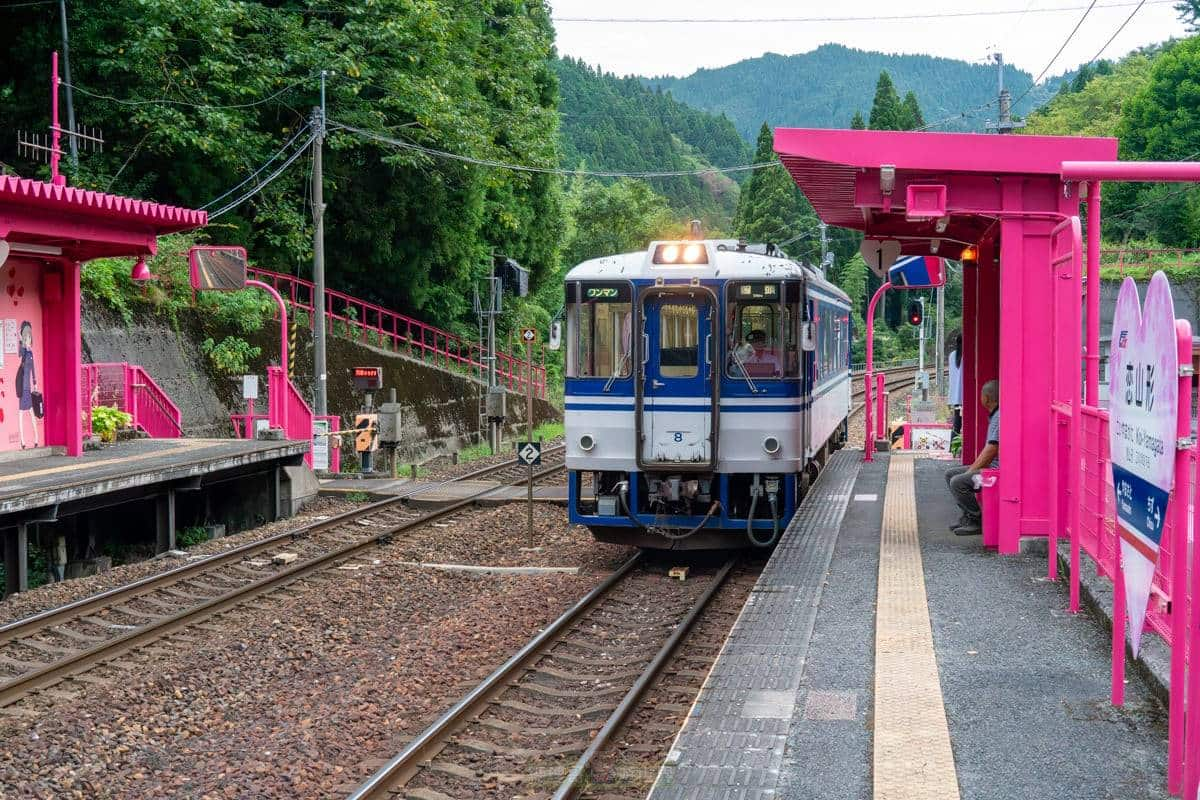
[
  {"x": 763, "y": 330},
  {"x": 599, "y": 330}
]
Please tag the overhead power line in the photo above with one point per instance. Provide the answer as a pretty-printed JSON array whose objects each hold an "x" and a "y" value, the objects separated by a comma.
[
  {"x": 166, "y": 101},
  {"x": 999, "y": 12},
  {"x": 259, "y": 171},
  {"x": 1050, "y": 63},
  {"x": 265, "y": 182},
  {"x": 487, "y": 162},
  {"x": 1117, "y": 32}
]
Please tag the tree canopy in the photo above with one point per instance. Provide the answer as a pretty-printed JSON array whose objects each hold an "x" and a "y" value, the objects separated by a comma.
[{"x": 193, "y": 97}]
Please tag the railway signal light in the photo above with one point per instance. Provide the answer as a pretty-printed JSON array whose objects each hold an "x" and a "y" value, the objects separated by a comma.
[{"x": 915, "y": 313}]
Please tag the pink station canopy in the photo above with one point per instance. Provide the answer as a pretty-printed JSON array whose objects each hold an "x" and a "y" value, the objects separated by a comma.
[
  {"x": 85, "y": 224},
  {"x": 842, "y": 172}
]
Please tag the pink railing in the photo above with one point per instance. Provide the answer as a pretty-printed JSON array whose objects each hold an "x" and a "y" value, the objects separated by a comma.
[
  {"x": 131, "y": 389},
  {"x": 1171, "y": 612},
  {"x": 362, "y": 321},
  {"x": 1125, "y": 259},
  {"x": 287, "y": 410}
]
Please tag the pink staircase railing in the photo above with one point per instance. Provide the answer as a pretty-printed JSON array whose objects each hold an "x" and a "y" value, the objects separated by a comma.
[
  {"x": 131, "y": 389},
  {"x": 287, "y": 410},
  {"x": 363, "y": 320}
]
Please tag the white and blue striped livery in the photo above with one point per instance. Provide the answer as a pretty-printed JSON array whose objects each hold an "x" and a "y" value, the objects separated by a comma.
[{"x": 706, "y": 384}]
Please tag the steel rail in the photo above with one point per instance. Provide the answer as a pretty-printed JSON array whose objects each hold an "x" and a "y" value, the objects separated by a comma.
[
  {"x": 52, "y": 616},
  {"x": 380, "y": 783},
  {"x": 570, "y": 786},
  {"x": 31, "y": 681}
]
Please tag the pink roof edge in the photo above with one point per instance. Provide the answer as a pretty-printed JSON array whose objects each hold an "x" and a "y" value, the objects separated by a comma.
[
  {"x": 943, "y": 152},
  {"x": 114, "y": 207}
]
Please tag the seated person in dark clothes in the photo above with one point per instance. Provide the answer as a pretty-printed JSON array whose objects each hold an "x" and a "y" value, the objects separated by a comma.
[{"x": 961, "y": 479}]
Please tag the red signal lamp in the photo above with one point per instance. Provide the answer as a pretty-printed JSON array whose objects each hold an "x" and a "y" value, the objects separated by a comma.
[{"x": 915, "y": 313}]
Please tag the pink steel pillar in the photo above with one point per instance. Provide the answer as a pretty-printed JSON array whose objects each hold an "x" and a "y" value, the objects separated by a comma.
[
  {"x": 1093, "y": 294},
  {"x": 1191, "y": 774},
  {"x": 60, "y": 379},
  {"x": 1179, "y": 564},
  {"x": 283, "y": 321},
  {"x": 881, "y": 400},
  {"x": 970, "y": 389},
  {"x": 868, "y": 440}
]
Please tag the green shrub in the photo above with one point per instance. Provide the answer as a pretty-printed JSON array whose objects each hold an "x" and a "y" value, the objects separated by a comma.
[
  {"x": 191, "y": 536},
  {"x": 231, "y": 355},
  {"x": 107, "y": 420}
]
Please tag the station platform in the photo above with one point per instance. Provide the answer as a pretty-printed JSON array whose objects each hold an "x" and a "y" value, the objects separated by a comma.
[
  {"x": 436, "y": 494},
  {"x": 881, "y": 656},
  {"x": 140, "y": 484}
]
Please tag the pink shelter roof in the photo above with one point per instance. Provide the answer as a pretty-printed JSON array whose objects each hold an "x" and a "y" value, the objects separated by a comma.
[
  {"x": 87, "y": 224},
  {"x": 825, "y": 162},
  {"x": 167, "y": 219}
]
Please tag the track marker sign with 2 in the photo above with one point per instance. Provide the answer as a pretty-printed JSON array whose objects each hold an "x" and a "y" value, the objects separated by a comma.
[
  {"x": 528, "y": 335},
  {"x": 1143, "y": 396},
  {"x": 529, "y": 453}
]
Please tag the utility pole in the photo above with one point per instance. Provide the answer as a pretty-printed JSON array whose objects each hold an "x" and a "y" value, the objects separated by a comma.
[
  {"x": 824, "y": 242},
  {"x": 62, "y": 13},
  {"x": 318, "y": 125},
  {"x": 1004, "y": 123}
]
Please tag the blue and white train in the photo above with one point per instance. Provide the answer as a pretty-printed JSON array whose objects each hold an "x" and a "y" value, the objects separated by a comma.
[{"x": 707, "y": 382}]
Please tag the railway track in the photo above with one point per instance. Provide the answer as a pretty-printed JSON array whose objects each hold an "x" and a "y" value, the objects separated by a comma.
[
  {"x": 536, "y": 724},
  {"x": 45, "y": 649},
  {"x": 895, "y": 377}
]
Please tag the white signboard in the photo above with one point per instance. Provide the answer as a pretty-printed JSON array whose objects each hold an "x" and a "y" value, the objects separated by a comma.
[
  {"x": 320, "y": 444},
  {"x": 1143, "y": 388},
  {"x": 11, "y": 339},
  {"x": 249, "y": 387}
]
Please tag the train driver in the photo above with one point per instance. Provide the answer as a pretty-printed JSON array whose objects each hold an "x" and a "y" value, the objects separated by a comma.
[{"x": 760, "y": 361}]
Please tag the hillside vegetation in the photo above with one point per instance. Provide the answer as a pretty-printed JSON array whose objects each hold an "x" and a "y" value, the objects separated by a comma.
[
  {"x": 1150, "y": 100},
  {"x": 824, "y": 88},
  {"x": 617, "y": 124}
]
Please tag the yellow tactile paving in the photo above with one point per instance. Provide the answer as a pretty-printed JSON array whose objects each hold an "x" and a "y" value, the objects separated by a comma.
[{"x": 913, "y": 758}]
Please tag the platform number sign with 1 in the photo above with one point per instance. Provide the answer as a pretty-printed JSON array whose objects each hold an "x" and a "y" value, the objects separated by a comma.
[{"x": 529, "y": 453}]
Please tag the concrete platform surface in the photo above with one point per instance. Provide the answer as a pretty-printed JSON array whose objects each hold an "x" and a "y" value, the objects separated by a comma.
[
  {"x": 37, "y": 482},
  {"x": 820, "y": 686}
]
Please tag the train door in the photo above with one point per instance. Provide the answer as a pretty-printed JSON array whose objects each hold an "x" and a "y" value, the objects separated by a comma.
[{"x": 676, "y": 395}]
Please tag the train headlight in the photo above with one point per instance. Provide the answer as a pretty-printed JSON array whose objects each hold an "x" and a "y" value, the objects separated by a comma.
[
  {"x": 692, "y": 253},
  {"x": 670, "y": 253},
  {"x": 587, "y": 442},
  {"x": 770, "y": 445}
]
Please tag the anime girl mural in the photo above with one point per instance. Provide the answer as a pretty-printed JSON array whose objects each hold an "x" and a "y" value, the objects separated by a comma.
[{"x": 29, "y": 399}]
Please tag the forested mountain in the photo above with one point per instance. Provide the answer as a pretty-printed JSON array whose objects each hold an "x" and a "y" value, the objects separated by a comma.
[
  {"x": 617, "y": 124},
  {"x": 825, "y": 87},
  {"x": 194, "y": 98}
]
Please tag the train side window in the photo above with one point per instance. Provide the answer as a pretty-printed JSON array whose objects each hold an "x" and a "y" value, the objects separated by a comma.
[
  {"x": 793, "y": 318},
  {"x": 678, "y": 341},
  {"x": 599, "y": 332}
]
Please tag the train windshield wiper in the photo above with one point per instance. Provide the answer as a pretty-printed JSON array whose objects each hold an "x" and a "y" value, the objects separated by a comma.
[
  {"x": 620, "y": 368},
  {"x": 745, "y": 372}
]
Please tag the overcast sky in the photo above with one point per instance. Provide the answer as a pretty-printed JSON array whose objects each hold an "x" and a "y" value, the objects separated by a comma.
[{"x": 1026, "y": 37}]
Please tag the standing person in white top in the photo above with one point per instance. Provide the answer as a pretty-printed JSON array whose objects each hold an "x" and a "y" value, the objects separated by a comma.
[{"x": 954, "y": 401}]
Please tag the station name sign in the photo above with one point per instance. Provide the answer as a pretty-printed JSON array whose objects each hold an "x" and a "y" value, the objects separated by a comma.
[{"x": 1143, "y": 399}]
